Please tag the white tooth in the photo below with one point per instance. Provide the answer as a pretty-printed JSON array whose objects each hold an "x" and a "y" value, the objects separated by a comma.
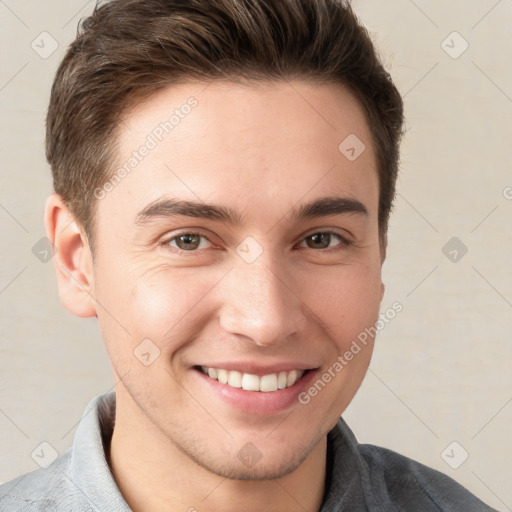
[
  {"x": 250, "y": 382},
  {"x": 281, "y": 380},
  {"x": 235, "y": 379},
  {"x": 268, "y": 382},
  {"x": 292, "y": 378},
  {"x": 222, "y": 376}
]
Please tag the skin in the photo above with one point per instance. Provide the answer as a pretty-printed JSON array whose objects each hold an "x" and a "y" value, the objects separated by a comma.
[{"x": 175, "y": 442}]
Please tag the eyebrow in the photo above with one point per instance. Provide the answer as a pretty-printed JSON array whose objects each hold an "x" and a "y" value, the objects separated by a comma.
[{"x": 169, "y": 207}]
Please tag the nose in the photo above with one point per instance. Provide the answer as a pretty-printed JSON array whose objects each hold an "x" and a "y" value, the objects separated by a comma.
[{"x": 259, "y": 303}]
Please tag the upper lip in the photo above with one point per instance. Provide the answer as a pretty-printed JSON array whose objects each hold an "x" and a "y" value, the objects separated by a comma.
[{"x": 258, "y": 369}]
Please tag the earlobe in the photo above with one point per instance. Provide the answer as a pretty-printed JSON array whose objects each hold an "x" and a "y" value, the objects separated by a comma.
[
  {"x": 383, "y": 247},
  {"x": 72, "y": 258}
]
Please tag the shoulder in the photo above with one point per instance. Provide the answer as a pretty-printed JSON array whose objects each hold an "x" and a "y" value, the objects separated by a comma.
[
  {"x": 409, "y": 483},
  {"x": 40, "y": 490}
]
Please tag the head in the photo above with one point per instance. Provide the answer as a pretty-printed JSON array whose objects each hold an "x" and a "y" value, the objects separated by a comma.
[{"x": 278, "y": 120}]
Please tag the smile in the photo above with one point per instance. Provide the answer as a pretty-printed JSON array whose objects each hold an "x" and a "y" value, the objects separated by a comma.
[{"x": 250, "y": 382}]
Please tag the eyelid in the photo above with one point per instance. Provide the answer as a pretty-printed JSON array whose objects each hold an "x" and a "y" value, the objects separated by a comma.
[
  {"x": 333, "y": 231},
  {"x": 344, "y": 241},
  {"x": 193, "y": 231}
]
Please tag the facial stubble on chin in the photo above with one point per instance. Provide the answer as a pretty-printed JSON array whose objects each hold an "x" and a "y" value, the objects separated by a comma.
[{"x": 231, "y": 467}]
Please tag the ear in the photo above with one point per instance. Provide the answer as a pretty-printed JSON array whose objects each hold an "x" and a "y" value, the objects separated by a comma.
[
  {"x": 383, "y": 250},
  {"x": 383, "y": 241},
  {"x": 72, "y": 259}
]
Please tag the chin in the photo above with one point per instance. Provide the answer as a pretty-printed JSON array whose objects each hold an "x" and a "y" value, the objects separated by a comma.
[
  {"x": 260, "y": 470},
  {"x": 250, "y": 463}
]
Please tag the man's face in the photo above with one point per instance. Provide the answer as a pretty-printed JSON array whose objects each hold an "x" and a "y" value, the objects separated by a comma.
[{"x": 265, "y": 291}]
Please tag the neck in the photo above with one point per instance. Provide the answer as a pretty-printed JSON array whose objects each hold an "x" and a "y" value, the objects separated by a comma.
[{"x": 153, "y": 475}]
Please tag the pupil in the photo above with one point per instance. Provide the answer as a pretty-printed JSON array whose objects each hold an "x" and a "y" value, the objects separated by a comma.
[
  {"x": 190, "y": 241},
  {"x": 322, "y": 239}
]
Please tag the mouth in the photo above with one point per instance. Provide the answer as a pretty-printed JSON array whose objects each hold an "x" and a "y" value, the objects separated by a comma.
[
  {"x": 250, "y": 382},
  {"x": 254, "y": 390}
]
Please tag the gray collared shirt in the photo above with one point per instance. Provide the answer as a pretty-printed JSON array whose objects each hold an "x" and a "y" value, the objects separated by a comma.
[{"x": 359, "y": 477}]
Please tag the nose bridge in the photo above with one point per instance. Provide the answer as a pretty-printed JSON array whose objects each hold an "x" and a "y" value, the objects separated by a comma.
[{"x": 259, "y": 302}]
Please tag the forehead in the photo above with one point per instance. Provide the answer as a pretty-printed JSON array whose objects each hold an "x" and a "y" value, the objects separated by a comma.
[{"x": 245, "y": 145}]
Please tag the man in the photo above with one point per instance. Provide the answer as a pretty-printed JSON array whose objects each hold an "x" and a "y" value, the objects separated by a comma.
[{"x": 224, "y": 173}]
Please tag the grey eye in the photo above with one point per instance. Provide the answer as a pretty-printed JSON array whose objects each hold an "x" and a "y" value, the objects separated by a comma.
[
  {"x": 187, "y": 241},
  {"x": 321, "y": 240}
]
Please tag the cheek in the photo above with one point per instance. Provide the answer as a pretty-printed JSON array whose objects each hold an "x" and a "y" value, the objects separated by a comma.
[
  {"x": 165, "y": 305},
  {"x": 137, "y": 304},
  {"x": 347, "y": 299}
]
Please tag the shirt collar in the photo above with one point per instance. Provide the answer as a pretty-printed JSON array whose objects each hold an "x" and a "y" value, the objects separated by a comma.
[{"x": 89, "y": 469}]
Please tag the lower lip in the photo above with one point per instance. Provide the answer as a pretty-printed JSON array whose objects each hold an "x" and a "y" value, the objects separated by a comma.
[{"x": 259, "y": 402}]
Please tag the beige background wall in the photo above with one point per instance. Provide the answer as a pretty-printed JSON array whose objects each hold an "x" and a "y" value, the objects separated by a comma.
[{"x": 441, "y": 372}]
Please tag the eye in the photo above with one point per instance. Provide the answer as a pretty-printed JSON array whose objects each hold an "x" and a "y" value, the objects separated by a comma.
[
  {"x": 188, "y": 241},
  {"x": 324, "y": 239}
]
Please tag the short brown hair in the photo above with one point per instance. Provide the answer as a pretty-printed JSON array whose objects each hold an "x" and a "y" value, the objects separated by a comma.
[{"x": 129, "y": 49}]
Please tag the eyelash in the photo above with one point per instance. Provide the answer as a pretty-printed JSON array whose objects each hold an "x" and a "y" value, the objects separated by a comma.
[{"x": 344, "y": 242}]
